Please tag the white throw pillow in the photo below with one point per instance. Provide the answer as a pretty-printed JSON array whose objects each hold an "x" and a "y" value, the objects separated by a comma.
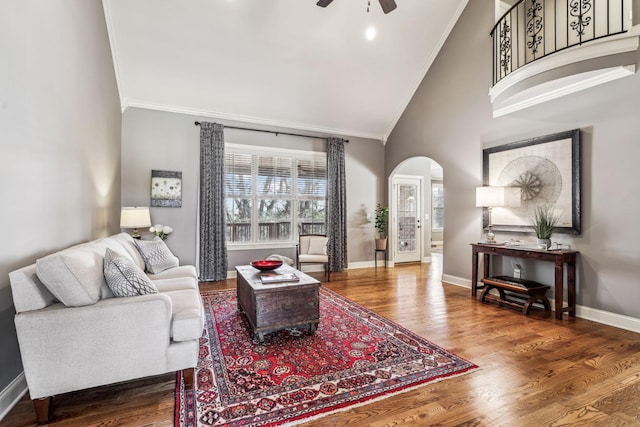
[
  {"x": 125, "y": 279},
  {"x": 317, "y": 246},
  {"x": 282, "y": 258},
  {"x": 157, "y": 255}
]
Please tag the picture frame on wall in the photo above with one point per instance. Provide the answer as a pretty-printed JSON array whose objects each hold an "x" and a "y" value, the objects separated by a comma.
[
  {"x": 548, "y": 171},
  {"x": 166, "y": 189}
]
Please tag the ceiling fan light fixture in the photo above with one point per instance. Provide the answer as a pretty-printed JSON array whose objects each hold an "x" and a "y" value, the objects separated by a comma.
[
  {"x": 387, "y": 5},
  {"x": 324, "y": 3}
]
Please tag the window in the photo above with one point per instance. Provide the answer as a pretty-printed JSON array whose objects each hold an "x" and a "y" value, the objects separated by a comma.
[
  {"x": 437, "y": 206},
  {"x": 270, "y": 196}
]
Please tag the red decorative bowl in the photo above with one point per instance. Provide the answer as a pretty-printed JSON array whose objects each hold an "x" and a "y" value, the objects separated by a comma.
[{"x": 266, "y": 264}]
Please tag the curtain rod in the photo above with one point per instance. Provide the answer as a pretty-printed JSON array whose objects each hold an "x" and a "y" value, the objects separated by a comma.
[{"x": 273, "y": 131}]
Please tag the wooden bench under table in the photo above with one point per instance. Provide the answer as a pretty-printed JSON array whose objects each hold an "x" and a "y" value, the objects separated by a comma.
[{"x": 526, "y": 292}]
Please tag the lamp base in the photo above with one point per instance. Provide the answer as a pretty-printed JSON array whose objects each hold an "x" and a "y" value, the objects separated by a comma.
[
  {"x": 491, "y": 238},
  {"x": 135, "y": 234}
]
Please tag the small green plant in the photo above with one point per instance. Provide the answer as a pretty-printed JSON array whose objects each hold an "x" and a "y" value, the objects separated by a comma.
[
  {"x": 544, "y": 220},
  {"x": 382, "y": 218}
]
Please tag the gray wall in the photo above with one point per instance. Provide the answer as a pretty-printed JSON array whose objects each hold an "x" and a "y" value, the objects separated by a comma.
[
  {"x": 60, "y": 140},
  {"x": 449, "y": 119},
  {"x": 170, "y": 141}
]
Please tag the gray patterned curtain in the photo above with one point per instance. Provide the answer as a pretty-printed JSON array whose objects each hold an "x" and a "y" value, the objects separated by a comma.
[
  {"x": 212, "y": 260},
  {"x": 336, "y": 205}
]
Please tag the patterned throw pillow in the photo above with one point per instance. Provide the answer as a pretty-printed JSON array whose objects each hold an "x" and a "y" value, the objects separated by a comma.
[
  {"x": 157, "y": 256},
  {"x": 124, "y": 278}
]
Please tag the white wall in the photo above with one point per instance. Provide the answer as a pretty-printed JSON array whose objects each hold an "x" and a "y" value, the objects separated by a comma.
[
  {"x": 60, "y": 140},
  {"x": 170, "y": 141}
]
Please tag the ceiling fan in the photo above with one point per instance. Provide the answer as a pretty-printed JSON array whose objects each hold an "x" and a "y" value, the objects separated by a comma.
[{"x": 387, "y": 5}]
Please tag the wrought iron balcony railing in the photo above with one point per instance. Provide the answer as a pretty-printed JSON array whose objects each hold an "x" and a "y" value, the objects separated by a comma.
[{"x": 533, "y": 29}]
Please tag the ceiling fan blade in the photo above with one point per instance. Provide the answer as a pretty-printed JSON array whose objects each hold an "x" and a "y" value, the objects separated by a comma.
[
  {"x": 387, "y": 5},
  {"x": 324, "y": 3}
]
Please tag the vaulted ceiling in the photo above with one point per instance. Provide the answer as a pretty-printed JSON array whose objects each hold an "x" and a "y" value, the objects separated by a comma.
[{"x": 286, "y": 63}]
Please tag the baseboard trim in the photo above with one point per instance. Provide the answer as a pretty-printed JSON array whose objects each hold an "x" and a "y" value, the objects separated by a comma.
[
  {"x": 455, "y": 280},
  {"x": 12, "y": 394},
  {"x": 606, "y": 317},
  {"x": 595, "y": 315},
  {"x": 360, "y": 264}
]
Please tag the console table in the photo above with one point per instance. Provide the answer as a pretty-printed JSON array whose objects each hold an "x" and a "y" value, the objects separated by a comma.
[{"x": 558, "y": 257}]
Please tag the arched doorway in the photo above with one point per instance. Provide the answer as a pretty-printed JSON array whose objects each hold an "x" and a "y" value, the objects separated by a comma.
[{"x": 416, "y": 210}]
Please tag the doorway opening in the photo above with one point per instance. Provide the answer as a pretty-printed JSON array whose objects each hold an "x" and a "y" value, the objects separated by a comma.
[{"x": 416, "y": 211}]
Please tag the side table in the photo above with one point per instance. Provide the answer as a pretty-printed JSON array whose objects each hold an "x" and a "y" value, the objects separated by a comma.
[
  {"x": 375, "y": 257},
  {"x": 272, "y": 307}
]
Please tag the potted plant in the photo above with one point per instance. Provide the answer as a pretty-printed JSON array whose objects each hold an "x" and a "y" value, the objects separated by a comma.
[
  {"x": 382, "y": 219},
  {"x": 544, "y": 220}
]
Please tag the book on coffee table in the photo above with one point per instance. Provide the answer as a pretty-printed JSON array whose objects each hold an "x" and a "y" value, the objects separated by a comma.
[{"x": 267, "y": 278}]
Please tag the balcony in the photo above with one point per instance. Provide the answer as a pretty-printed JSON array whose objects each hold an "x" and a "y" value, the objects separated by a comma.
[{"x": 544, "y": 49}]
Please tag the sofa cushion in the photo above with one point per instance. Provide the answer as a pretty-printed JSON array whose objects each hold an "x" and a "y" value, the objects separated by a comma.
[
  {"x": 128, "y": 244},
  {"x": 73, "y": 276},
  {"x": 157, "y": 256},
  {"x": 175, "y": 284},
  {"x": 125, "y": 278},
  {"x": 175, "y": 273}
]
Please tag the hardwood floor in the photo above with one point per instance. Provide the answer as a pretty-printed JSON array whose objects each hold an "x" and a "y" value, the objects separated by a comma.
[{"x": 534, "y": 370}]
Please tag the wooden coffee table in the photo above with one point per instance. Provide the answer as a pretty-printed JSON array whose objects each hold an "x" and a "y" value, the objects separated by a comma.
[{"x": 272, "y": 307}]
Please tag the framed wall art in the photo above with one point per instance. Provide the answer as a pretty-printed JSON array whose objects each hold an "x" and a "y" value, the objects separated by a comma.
[
  {"x": 547, "y": 169},
  {"x": 166, "y": 189}
]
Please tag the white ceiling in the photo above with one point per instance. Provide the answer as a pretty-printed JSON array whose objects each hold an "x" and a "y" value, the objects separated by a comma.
[{"x": 282, "y": 63}]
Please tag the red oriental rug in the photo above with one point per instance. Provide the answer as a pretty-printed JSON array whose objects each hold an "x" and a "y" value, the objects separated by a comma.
[{"x": 354, "y": 357}]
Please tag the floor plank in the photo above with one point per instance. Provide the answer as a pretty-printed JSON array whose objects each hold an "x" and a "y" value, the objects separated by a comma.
[{"x": 535, "y": 370}]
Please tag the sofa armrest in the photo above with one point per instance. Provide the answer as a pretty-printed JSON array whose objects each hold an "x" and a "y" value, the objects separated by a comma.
[{"x": 72, "y": 348}]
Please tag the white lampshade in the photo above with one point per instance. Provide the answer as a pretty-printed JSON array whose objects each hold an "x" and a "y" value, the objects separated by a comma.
[
  {"x": 135, "y": 217},
  {"x": 493, "y": 197}
]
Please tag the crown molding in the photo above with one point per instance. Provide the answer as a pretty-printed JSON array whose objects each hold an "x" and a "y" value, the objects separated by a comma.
[{"x": 248, "y": 119}]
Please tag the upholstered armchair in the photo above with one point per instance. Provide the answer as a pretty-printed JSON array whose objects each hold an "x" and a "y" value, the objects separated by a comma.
[{"x": 312, "y": 249}]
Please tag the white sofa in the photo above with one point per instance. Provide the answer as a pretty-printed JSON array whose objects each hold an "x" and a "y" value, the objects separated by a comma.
[{"x": 75, "y": 334}]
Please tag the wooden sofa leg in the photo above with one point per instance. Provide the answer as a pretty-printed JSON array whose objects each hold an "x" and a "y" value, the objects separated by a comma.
[
  {"x": 44, "y": 409},
  {"x": 187, "y": 375}
]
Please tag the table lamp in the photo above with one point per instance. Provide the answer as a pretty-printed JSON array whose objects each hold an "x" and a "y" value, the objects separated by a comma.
[
  {"x": 135, "y": 217},
  {"x": 494, "y": 197}
]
